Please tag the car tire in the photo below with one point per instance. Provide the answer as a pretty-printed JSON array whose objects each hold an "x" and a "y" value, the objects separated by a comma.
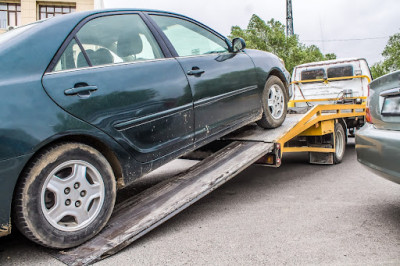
[
  {"x": 65, "y": 196},
  {"x": 274, "y": 103},
  {"x": 340, "y": 143}
]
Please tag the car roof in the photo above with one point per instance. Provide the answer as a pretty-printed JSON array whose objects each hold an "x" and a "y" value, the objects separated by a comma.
[
  {"x": 76, "y": 17},
  {"x": 84, "y": 14}
]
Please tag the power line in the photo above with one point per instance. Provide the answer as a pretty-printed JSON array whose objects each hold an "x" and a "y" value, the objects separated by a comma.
[{"x": 347, "y": 40}]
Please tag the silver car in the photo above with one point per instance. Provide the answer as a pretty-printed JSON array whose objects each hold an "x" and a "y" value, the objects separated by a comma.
[{"x": 378, "y": 142}]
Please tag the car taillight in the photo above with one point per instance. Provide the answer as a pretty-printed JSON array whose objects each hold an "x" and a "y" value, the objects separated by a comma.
[{"x": 368, "y": 117}]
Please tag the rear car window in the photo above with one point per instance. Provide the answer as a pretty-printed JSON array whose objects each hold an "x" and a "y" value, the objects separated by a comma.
[
  {"x": 318, "y": 73},
  {"x": 340, "y": 71},
  {"x": 110, "y": 40}
]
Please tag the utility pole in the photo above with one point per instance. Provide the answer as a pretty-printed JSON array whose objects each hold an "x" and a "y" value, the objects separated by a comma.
[{"x": 289, "y": 19}]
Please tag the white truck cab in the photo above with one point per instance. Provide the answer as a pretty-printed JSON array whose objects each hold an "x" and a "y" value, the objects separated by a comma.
[
  {"x": 344, "y": 80},
  {"x": 340, "y": 81}
]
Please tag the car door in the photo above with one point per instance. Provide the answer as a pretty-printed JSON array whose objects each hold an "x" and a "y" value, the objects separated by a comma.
[
  {"x": 223, "y": 83},
  {"x": 113, "y": 74}
]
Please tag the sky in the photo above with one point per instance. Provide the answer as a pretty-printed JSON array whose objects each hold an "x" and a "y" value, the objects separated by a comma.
[{"x": 348, "y": 28}]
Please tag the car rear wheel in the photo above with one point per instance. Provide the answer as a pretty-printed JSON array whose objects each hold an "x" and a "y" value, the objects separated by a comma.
[
  {"x": 274, "y": 103},
  {"x": 66, "y": 196},
  {"x": 340, "y": 143}
]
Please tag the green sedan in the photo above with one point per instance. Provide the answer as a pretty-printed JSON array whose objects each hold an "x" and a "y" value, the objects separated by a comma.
[{"x": 91, "y": 101}]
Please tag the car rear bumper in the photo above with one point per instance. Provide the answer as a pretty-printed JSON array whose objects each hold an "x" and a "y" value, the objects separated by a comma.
[{"x": 380, "y": 151}]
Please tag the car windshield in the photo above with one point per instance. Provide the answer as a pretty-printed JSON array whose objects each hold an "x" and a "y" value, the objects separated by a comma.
[{"x": 15, "y": 32}]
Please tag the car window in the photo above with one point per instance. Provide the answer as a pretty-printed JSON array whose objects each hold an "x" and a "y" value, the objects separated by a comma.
[
  {"x": 110, "y": 40},
  {"x": 340, "y": 71},
  {"x": 313, "y": 74},
  {"x": 69, "y": 59},
  {"x": 188, "y": 38}
]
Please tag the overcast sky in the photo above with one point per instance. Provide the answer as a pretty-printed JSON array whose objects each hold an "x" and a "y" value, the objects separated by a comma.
[{"x": 329, "y": 24}]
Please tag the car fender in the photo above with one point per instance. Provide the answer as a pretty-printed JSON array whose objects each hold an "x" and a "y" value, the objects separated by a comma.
[{"x": 267, "y": 64}]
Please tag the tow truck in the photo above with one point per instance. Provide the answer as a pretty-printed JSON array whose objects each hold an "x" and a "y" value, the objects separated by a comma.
[{"x": 317, "y": 129}]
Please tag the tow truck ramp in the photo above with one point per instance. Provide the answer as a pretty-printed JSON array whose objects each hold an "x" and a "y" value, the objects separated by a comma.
[{"x": 139, "y": 214}]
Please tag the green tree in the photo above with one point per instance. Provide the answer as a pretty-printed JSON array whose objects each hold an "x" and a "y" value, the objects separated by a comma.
[
  {"x": 330, "y": 56},
  {"x": 378, "y": 69},
  {"x": 391, "y": 55},
  {"x": 270, "y": 36}
]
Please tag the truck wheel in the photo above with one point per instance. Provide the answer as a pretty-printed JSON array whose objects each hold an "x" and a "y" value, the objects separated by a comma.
[
  {"x": 340, "y": 143},
  {"x": 65, "y": 196},
  {"x": 274, "y": 103}
]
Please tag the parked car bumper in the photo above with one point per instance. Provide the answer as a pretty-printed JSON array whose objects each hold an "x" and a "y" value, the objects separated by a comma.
[
  {"x": 10, "y": 169},
  {"x": 380, "y": 151}
]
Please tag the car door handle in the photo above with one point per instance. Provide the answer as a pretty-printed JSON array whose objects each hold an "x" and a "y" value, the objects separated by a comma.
[
  {"x": 80, "y": 90},
  {"x": 195, "y": 72}
]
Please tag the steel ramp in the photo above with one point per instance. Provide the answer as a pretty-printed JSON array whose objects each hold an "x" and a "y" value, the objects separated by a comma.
[
  {"x": 253, "y": 132},
  {"x": 138, "y": 215}
]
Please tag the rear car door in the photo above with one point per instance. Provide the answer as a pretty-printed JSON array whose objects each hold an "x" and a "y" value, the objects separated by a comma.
[
  {"x": 112, "y": 73},
  {"x": 223, "y": 83}
]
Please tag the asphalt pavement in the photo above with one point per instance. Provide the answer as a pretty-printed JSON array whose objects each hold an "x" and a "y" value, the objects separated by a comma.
[{"x": 296, "y": 214}]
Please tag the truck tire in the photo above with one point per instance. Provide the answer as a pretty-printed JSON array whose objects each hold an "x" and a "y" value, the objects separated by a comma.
[
  {"x": 65, "y": 196},
  {"x": 340, "y": 143},
  {"x": 274, "y": 103}
]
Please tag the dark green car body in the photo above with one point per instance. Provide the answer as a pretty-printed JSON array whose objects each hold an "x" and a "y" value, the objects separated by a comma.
[
  {"x": 378, "y": 142},
  {"x": 139, "y": 115}
]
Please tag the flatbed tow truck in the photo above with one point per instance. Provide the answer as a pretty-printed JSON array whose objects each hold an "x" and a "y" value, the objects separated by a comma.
[{"x": 313, "y": 131}]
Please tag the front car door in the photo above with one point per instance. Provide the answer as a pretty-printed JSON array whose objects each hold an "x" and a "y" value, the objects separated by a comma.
[
  {"x": 112, "y": 73},
  {"x": 224, "y": 84}
]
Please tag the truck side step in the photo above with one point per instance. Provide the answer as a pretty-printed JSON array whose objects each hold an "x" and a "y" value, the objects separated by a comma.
[{"x": 138, "y": 215}]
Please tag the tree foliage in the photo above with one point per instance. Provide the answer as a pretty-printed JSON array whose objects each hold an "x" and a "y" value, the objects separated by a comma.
[
  {"x": 378, "y": 69},
  {"x": 270, "y": 36},
  {"x": 391, "y": 55}
]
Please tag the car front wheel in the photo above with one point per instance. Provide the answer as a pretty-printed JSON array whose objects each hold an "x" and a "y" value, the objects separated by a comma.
[
  {"x": 65, "y": 196},
  {"x": 274, "y": 103}
]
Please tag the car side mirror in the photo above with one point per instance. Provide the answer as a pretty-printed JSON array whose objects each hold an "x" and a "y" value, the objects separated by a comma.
[{"x": 238, "y": 45}]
